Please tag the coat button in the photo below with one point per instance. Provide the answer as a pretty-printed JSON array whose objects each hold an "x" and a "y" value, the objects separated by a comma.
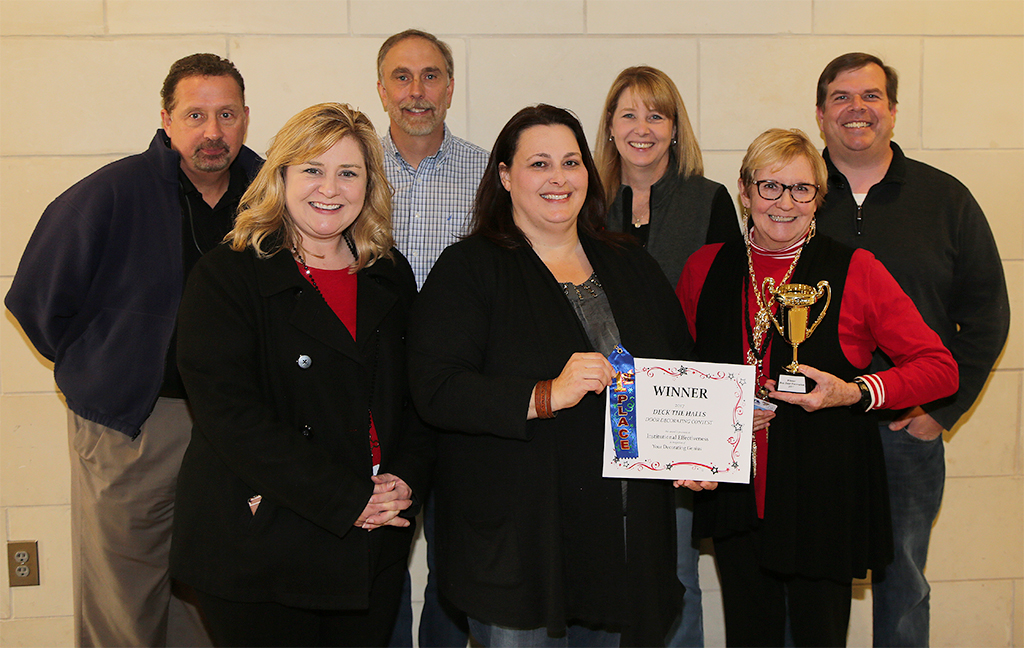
[
  {"x": 307, "y": 431},
  {"x": 304, "y": 362}
]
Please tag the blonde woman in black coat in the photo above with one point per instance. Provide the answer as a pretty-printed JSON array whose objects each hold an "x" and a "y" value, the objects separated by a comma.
[{"x": 293, "y": 504}]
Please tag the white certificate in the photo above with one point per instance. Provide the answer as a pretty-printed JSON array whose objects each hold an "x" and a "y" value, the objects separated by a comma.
[{"x": 694, "y": 420}]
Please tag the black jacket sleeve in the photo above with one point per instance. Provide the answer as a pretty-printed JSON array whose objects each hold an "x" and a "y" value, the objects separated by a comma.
[
  {"x": 723, "y": 225},
  {"x": 449, "y": 339}
]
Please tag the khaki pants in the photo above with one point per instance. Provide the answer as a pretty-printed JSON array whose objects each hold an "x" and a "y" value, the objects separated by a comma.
[{"x": 122, "y": 506}]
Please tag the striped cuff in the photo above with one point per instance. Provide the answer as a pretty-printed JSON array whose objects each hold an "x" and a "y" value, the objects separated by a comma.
[{"x": 877, "y": 390}]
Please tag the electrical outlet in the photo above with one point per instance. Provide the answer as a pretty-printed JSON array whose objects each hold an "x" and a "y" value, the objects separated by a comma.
[{"x": 23, "y": 563}]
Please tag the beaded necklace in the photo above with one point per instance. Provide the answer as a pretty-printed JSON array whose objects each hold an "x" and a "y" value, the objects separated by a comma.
[
  {"x": 309, "y": 273},
  {"x": 587, "y": 285}
]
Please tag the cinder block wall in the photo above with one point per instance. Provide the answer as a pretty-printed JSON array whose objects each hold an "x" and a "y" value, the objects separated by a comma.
[{"x": 80, "y": 82}]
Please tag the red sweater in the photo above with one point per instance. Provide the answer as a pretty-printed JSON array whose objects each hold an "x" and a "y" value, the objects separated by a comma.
[{"x": 874, "y": 313}]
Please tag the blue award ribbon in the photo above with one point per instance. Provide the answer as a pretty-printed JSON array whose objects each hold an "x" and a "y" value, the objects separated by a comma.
[{"x": 622, "y": 399}]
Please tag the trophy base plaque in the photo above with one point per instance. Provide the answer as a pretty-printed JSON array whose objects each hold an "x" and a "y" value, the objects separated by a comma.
[{"x": 798, "y": 384}]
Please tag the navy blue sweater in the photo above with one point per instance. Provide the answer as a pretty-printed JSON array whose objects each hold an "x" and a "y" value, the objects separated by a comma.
[{"x": 98, "y": 286}]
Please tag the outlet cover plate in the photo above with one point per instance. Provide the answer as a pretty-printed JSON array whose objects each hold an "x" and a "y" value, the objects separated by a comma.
[{"x": 23, "y": 563}]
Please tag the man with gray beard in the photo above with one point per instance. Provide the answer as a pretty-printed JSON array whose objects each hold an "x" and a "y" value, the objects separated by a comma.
[
  {"x": 435, "y": 176},
  {"x": 434, "y": 173}
]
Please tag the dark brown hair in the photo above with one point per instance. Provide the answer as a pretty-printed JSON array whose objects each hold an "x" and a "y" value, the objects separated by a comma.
[
  {"x": 492, "y": 211},
  {"x": 198, "y": 65},
  {"x": 855, "y": 61}
]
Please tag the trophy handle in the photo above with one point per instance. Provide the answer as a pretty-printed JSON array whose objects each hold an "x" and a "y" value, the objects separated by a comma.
[
  {"x": 769, "y": 287},
  {"x": 822, "y": 285}
]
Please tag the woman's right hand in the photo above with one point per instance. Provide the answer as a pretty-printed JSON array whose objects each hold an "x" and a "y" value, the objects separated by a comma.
[
  {"x": 584, "y": 372},
  {"x": 391, "y": 495},
  {"x": 762, "y": 419}
]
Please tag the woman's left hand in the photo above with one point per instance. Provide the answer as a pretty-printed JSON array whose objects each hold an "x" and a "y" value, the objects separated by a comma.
[
  {"x": 695, "y": 485},
  {"x": 391, "y": 496},
  {"x": 762, "y": 419},
  {"x": 830, "y": 391}
]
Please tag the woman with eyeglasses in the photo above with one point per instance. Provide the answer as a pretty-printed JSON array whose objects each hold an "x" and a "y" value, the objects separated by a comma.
[{"x": 816, "y": 513}]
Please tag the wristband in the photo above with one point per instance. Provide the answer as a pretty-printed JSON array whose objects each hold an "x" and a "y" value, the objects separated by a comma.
[{"x": 542, "y": 399}]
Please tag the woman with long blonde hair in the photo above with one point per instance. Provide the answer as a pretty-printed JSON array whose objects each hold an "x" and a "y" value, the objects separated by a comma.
[
  {"x": 652, "y": 171},
  {"x": 293, "y": 519}
]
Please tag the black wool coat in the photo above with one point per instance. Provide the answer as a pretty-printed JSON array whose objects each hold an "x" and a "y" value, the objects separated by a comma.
[
  {"x": 297, "y": 436},
  {"x": 529, "y": 534}
]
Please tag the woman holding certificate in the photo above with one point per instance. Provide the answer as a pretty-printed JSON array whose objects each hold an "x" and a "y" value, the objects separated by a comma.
[
  {"x": 508, "y": 349},
  {"x": 816, "y": 513}
]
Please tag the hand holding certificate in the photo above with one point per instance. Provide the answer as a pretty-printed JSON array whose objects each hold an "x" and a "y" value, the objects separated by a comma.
[{"x": 679, "y": 420}]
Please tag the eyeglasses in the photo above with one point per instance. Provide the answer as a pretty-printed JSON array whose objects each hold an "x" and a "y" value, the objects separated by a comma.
[{"x": 773, "y": 190}]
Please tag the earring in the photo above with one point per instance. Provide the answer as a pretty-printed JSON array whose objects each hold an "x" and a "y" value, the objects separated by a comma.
[
  {"x": 674, "y": 141},
  {"x": 611, "y": 139}
]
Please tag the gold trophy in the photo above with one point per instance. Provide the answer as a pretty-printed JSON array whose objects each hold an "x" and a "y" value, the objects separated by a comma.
[{"x": 795, "y": 301}]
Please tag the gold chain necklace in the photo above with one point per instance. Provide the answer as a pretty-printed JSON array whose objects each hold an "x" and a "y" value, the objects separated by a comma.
[{"x": 762, "y": 319}]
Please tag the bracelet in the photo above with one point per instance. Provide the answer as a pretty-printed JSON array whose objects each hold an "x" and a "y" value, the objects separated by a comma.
[{"x": 542, "y": 399}]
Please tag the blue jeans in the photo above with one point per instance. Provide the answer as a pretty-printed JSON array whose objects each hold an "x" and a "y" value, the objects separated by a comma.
[
  {"x": 441, "y": 624},
  {"x": 495, "y": 636},
  {"x": 916, "y": 471},
  {"x": 401, "y": 636},
  {"x": 688, "y": 630}
]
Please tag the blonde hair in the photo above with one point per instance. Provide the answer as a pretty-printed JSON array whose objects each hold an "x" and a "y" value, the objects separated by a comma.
[
  {"x": 263, "y": 223},
  {"x": 777, "y": 147},
  {"x": 658, "y": 92}
]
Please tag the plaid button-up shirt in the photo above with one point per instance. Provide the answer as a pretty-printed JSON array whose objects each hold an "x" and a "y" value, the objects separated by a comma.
[{"x": 432, "y": 204}]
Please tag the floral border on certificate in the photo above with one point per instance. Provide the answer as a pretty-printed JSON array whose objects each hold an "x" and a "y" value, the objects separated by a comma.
[{"x": 734, "y": 440}]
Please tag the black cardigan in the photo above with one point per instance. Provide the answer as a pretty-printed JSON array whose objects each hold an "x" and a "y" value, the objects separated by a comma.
[
  {"x": 297, "y": 436},
  {"x": 931, "y": 234},
  {"x": 528, "y": 532},
  {"x": 686, "y": 213}
]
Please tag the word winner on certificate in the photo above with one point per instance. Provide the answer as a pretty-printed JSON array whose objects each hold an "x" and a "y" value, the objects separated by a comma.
[{"x": 680, "y": 420}]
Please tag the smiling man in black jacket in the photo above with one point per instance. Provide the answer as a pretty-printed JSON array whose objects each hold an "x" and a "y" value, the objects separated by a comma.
[{"x": 930, "y": 233}]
